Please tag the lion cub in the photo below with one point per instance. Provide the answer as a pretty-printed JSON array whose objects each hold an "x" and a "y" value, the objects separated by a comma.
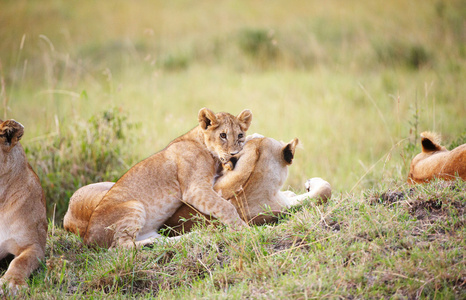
[
  {"x": 23, "y": 222},
  {"x": 139, "y": 203},
  {"x": 435, "y": 161}
]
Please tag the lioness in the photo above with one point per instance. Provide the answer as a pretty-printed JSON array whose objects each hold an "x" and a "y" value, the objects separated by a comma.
[
  {"x": 435, "y": 161},
  {"x": 23, "y": 222},
  {"x": 253, "y": 186},
  {"x": 139, "y": 203}
]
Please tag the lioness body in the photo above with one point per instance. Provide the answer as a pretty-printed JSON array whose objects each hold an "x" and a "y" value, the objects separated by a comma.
[
  {"x": 435, "y": 161},
  {"x": 23, "y": 222},
  {"x": 139, "y": 203}
]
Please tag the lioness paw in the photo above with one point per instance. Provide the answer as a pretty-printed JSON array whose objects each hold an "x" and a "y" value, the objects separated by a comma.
[
  {"x": 11, "y": 286},
  {"x": 314, "y": 183}
]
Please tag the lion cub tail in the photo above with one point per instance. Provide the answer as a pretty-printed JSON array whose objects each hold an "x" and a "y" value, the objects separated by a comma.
[
  {"x": 82, "y": 204},
  {"x": 431, "y": 142}
]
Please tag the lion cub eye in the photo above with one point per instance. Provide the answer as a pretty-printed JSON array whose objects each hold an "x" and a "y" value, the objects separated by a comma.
[
  {"x": 223, "y": 135},
  {"x": 240, "y": 136}
]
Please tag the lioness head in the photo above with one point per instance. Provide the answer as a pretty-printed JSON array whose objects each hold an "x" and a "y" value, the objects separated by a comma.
[
  {"x": 224, "y": 134},
  {"x": 430, "y": 145},
  {"x": 10, "y": 134}
]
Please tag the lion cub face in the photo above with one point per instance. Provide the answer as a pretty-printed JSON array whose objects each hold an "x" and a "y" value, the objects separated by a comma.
[{"x": 224, "y": 134}]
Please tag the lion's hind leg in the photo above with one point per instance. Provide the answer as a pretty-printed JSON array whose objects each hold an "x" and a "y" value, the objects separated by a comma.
[{"x": 116, "y": 226}]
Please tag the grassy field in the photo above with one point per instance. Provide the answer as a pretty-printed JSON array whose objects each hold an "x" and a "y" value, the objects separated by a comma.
[
  {"x": 406, "y": 243},
  {"x": 102, "y": 85}
]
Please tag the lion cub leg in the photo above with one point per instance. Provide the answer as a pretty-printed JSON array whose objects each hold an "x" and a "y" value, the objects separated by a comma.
[
  {"x": 207, "y": 201},
  {"x": 129, "y": 227},
  {"x": 21, "y": 267},
  {"x": 116, "y": 226}
]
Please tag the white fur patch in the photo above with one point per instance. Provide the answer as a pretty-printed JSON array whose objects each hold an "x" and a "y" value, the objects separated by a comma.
[
  {"x": 314, "y": 183},
  {"x": 4, "y": 236},
  {"x": 149, "y": 235},
  {"x": 253, "y": 136}
]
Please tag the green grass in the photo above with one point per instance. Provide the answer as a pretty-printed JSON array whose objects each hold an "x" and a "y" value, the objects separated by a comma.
[
  {"x": 403, "y": 242},
  {"x": 355, "y": 81}
]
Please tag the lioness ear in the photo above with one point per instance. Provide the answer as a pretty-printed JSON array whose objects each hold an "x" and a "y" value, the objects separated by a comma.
[
  {"x": 207, "y": 118},
  {"x": 11, "y": 132},
  {"x": 245, "y": 118},
  {"x": 430, "y": 142},
  {"x": 288, "y": 151}
]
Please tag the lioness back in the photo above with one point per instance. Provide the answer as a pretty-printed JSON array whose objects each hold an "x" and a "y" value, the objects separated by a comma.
[{"x": 82, "y": 203}]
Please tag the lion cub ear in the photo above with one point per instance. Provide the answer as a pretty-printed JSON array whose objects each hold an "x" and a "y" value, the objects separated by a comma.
[
  {"x": 207, "y": 118},
  {"x": 245, "y": 118},
  {"x": 11, "y": 132},
  {"x": 288, "y": 151},
  {"x": 430, "y": 142}
]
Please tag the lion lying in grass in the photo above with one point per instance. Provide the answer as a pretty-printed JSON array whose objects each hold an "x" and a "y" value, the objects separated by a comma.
[
  {"x": 23, "y": 222},
  {"x": 138, "y": 204},
  {"x": 435, "y": 161},
  {"x": 253, "y": 186}
]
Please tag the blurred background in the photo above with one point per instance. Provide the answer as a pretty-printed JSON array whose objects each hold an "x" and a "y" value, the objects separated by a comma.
[{"x": 100, "y": 85}]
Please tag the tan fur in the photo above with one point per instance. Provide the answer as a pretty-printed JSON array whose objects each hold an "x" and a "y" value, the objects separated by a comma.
[
  {"x": 435, "y": 161},
  {"x": 139, "y": 203},
  {"x": 23, "y": 222},
  {"x": 253, "y": 186}
]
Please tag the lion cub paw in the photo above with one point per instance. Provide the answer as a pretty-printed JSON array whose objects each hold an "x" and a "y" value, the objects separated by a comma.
[
  {"x": 228, "y": 166},
  {"x": 239, "y": 225}
]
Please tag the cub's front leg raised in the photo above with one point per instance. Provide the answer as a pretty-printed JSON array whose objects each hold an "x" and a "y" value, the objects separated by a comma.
[{"x": 232, "y": 182}]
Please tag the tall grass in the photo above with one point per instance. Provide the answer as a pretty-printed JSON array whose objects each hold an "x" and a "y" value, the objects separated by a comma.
[
  {"x": 355, "y": 81},
  {"x": 84, "y": 152}
]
